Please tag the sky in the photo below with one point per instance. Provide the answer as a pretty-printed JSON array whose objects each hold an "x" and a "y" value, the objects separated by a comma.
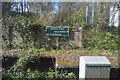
[{"x": 56, "y": 6}]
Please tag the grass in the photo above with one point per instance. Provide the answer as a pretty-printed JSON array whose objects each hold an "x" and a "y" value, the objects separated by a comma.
[
  {"x": 82, "y": 51},
  {"x": 41, "y": 52},
  {"x": 64, "y": 57}
]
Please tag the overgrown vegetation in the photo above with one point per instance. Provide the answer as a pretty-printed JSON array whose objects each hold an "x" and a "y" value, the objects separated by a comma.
[
  {"x": 50, "y": 75},
  {"x": 24, "y": 35},
  {"x": 33, "y": 36},
  {"x": 19, "y": 70},
  {"x": 107, "y": 40},
  {"x": 25, "y": 32}
]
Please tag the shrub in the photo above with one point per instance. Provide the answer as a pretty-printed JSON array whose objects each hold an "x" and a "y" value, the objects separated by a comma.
[
  {"x": 108, "y": 40},
  {"x": 50, "y": 75}
]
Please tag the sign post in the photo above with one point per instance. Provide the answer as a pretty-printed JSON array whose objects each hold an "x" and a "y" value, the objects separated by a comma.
[{"x": 57, "y": 31}]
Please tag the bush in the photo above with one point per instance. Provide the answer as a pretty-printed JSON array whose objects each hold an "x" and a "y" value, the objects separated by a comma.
[
  {"x": 19, "y": 70},
  {"x": 51, "y": 74},
  {"x": 107, "y": 40}
]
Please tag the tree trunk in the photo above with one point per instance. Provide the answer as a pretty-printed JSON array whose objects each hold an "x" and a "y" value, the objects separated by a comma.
[{"x": 10, "y": 35}]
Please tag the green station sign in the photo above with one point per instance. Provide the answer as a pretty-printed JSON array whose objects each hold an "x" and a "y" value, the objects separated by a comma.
[{"x": 57, "y": 31}]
